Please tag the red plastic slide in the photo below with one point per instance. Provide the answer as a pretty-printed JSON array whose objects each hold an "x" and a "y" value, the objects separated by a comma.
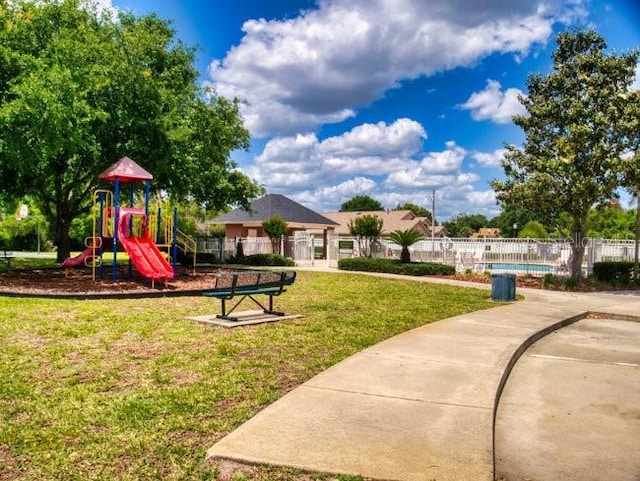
[
  {"x": 78, "y": 261},
  {"x": 143, "y": 252}
]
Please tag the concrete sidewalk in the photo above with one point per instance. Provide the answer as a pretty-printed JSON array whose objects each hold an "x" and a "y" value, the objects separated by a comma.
[{"x": 419, "y": 406}]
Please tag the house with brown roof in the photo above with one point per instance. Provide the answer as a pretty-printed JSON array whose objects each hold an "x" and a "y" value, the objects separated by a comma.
[
  {"x": 391, "y": 220},
  {"x": 248, "y": 223}
]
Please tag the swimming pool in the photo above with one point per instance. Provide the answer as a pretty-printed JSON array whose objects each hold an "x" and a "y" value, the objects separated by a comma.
[{"x": 527, "y": 268}]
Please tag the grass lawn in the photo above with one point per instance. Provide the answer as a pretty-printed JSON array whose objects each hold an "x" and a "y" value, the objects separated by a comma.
[{"x": 130, "y": 390}]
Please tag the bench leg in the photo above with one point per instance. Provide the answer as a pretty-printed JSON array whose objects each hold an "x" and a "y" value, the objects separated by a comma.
[
  {"x": 226, "y": 315},
  {"x": 271, "y": 311}
]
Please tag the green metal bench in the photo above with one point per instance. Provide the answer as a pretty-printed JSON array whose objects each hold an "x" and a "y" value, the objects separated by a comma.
[
  {"x": 7, "y": 256},
  {"x": 249, "y": 284}
]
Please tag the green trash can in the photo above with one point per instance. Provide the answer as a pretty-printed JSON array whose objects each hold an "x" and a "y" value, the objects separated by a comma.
[{"x": 503, "y": 287}]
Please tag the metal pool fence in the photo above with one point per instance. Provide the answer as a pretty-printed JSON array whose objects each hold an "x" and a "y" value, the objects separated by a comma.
[{"x": 519, "y": 256}]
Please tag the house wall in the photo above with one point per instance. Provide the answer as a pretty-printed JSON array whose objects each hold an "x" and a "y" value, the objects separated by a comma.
[{"x": 238, "y": 230}]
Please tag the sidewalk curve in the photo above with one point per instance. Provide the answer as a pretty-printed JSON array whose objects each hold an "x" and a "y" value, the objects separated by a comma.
[{"x": 418, "y": 406}]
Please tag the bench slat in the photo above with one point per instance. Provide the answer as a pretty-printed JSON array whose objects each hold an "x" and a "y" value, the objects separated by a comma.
[
  {"x": 248, "y": 284},
  {"x": 241, "y": 292}
]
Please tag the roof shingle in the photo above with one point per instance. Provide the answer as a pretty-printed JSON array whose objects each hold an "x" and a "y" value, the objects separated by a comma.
[{"x": 272, "y": 205}]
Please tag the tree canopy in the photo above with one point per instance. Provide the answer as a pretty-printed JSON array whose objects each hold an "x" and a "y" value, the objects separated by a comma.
[
  {"x": 610, "y": 222},
  {"x": 533, "y": 230},
  {"x": 574, "y": 136},
  {"x": 275, "y": 227},
  {"x": 463, "y": 225},
  {"x": 631, "y": 165},
  {"x": 367, "y": 229},
  {"x": 80, "y": 89},
  {"x": 361, "y": 203}
]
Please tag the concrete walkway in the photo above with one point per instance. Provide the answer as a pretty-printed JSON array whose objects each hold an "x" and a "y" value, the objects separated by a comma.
[{"x": 419, "y": 406}]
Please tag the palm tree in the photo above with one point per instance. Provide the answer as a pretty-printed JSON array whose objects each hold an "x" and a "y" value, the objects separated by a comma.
[{"x": 405, "y": 238}]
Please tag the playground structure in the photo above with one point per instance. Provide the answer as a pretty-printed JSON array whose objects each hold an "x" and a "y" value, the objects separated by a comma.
[{"x": 151, "y": 241}]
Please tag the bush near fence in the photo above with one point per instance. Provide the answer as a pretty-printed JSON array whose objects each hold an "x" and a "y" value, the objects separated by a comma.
[
  {"x": 616, "y": 273},
  {"x": 393, "y": 266},
  {"x": 263, "y": 260}
]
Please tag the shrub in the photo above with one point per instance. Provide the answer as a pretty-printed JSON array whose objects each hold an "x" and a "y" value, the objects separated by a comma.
[
  {"x": 405, "y": 239},
  {"x": 392, "y": 266},
  {"x": 616, "y": 273},
  {"x": 263, "y": 260},
  {"x": 548, "y": 281},
  {"x": 571, "y": 283},
  {"x": 594, "y": 283}
]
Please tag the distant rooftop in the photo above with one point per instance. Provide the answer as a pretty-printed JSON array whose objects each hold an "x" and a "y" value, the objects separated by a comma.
[{"x": 274, "y": 205}]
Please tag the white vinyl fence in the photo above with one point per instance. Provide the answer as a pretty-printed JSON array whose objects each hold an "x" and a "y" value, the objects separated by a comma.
[{"x": 519, "y": 256}]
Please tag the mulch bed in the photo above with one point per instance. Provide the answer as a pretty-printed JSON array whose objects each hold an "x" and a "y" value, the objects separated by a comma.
[
  {"x": 59, "y": 282},
  {"x": 536, "y": 282},
  {"x": 521, "y": 281}
]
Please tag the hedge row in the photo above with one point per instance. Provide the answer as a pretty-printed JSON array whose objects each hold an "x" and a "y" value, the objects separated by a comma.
[
  {"x": 617, "y": 273},
  {"x": 252, "y": 260},
  {"x": 263, "y": 260},
  {"x": 394, "y": 266}
]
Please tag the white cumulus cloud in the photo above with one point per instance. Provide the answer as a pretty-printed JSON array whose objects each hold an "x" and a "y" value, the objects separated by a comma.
[
  {"x": 402, "y": 138},
  {"x": 490, "y": 159},
  {"x": 324, "y": 64},
  {"x": 494, "y": 104},
  {"x": 368, "y": 149},
  {"x": 385, "y": 161}
]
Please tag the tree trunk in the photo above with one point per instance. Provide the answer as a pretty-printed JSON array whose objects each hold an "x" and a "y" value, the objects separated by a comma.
[
  {"x": 577, "y": 252},
  {"x": 62, "y": 241},
  {"x": 405, "y": 255}
]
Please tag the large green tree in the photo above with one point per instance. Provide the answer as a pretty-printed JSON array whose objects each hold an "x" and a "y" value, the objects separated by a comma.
[
  {"x": 573, "y": 135},
  {"x": 362, "y": 203},
  {"x": 80, "y": 89},
  {"x": 533, "y": 230},
  {"x": 367, "y": 229},
  {"x": 630, "y": 168},
  {"x": 509, "y": 217},
  {"x": 610, "y": 221},
  {"x": 464, "y": 225}
]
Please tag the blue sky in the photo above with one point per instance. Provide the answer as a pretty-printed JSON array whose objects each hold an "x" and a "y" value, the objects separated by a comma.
[{"x": 388, "y": 98}]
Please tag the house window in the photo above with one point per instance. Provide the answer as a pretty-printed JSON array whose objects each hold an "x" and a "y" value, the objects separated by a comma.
[{"x": 252, "y": 233}]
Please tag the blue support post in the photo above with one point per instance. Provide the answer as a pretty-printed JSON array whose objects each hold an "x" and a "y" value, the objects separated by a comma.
[
  {"x": 100, "y": 233},
  {"x": 116, "y": 218},
  {"x": 131, "y": 201},
  {"x": 147, "y": 190}
]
